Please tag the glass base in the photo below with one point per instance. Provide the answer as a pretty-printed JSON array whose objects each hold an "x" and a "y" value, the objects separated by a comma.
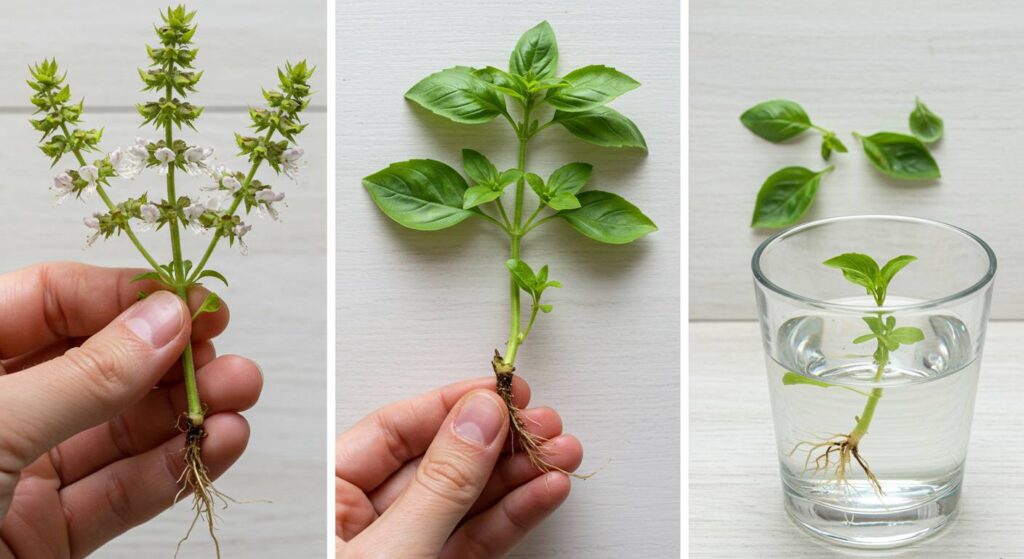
[{"x": 875, "y": 529}]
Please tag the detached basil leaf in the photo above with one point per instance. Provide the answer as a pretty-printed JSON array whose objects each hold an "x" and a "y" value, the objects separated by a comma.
[
  {"x": 478, "y": 167},
  {"x": 590, "y": 87},
  {"x": 608, "y": 218},
  {"x": 785, "y": 196},
  {"x": 777, "y": 120},
  {"x": 860, "y": 269},
  {"x": 602, "y": 126},
  {"x": 459, "y": 95},
  {"x": 563, "y": 201},
  {"x": 926, "y": 125},
  {"x": 570, "y": 178},
  {"x": 536, "y": 53},
  {"x": 420, "y": 194},
  {"x": 900, "y": 156},
  {"x": 830, "y": 143},
  {"x": 476, "y": 195}
]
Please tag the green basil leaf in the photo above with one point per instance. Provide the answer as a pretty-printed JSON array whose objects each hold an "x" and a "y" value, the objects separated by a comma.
[
  {"x": 857, "y": 268},
  {"x": 602, "y": 126},
  {"x": 214, "y": 275},
  {"x": 537, "y": 184},
  {"x": 776, "y": 120},
  {"x": 907, "y": 335},
  {"x": 864, "y": 338},
  {"x": 536, "y": 54},
  {"x": 791, "y": 378},
  {"x": 420, "y": 194},
  {"x": 570, "y": 178},
  {"x": 545, "y": 308},
  {"x": 502, "y": 81},
  {"x": 900, "y": 156},
  {"x": 523, "y": 274},
  {"x": 895, "y": 265},
  {"x": 890, "y": 323},
  {"x": 480, "y": 194},
  {"x": 590, "y": 87},
  {"x": 608, "y": 218},
  {"x": 147, "y": 276},
  {"x": 210, "y": 304},
  {"x": 508, "y": 177},
  {"x": 542, "y": 274},
  {"x": 459, "y": 95},
  {"x": 925, "y": 124},
  {"x": 478, "y": 167},
  {"x": 830, "y": 143},
  {"x": 563, "y": 201},
  {"x": 875, "y": 324},
  {"x": 785, "y": 196}
]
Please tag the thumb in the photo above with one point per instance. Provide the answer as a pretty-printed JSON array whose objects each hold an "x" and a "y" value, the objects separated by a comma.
[
  {"x": 48, "y": 403},
  {"x": 449, "y": 479}
]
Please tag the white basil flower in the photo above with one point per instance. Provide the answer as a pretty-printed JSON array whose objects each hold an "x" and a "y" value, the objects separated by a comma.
[
  {"x": 93, "y": 223},
  {"x": 150, "y": 215},
  {"x": 196, "y": 160},
  {"x": 127, "y": 163},
  {"x": 63, "y": 186},
  {"x": 265, "y": 200},
  {"x": 291, "y": 161},
  {"x": 240, "y": 231},
  {"x": 193, "y": 214},
  {"x": 116, "y": 158},
  {"x": 91, "y": 175},
  {"x": 140, "y": 149},
  {"x": 231, "y": 184},
  {"x": 165, "y": 156}
]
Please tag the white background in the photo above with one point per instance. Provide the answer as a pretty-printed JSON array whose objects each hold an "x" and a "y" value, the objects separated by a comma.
[
  {"x": 418, "y": 310},
  {"x": 277, "y": 292},
  {"x": 854, "y": 66}
]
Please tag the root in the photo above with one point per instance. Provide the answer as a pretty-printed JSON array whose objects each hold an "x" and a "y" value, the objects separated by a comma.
[
  {"x": 528, "y": 442},
  {"x": 836, "y": 454},
  {"x": 196, "y": 480}
]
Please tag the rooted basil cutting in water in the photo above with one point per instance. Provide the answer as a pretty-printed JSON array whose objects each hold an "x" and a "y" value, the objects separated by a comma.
[
  {"x": 900, "y": 156},
  {"x": 428, "y": 195},
  {"x": 924, "y": 124},
  {"x": 786, "y": 195}
]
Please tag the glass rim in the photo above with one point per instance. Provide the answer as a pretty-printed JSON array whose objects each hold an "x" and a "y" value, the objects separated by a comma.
[{"x": 763, "y": 280}]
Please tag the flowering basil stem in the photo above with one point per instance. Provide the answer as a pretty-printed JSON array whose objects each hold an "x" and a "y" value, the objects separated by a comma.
[
  {"x": 230, "y": 195},
  {"x": 428, "y": 195}
]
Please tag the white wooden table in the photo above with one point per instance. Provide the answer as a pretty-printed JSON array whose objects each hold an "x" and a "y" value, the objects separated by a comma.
[
  {"x": 607, "y": 358},
  {"x": 277, "y": 292},
  {"x": 735, "y": 491}
]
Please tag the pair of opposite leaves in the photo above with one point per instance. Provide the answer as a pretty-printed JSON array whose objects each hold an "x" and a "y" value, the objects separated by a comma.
[{"x": 787, "y": 194}]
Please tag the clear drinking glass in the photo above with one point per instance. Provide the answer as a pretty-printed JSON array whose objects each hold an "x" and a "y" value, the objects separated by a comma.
[{"x": 918, "y": 404}]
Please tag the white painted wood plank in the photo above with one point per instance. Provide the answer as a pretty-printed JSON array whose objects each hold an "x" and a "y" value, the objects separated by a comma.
[
  {"x": 853, "y": 66},
  {"x": 419, "y": 310},
  {"x": 102, "y": 43},
  {"x": 278, "y": 318},
  {"x": 735, "y": 495}
]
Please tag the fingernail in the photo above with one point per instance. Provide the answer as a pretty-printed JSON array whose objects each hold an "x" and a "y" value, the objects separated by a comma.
[
  {"x": 157, "y": 319},
  {"x": 479, "y": 420}
]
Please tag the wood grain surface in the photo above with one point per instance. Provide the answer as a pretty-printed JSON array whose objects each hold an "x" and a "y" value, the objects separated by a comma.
[
  {"x": 735, "y": 507},
  {"x": 419, "y": 310},
  {"x": 854, "y": 67},
  {"x": 277, "y": 292}
]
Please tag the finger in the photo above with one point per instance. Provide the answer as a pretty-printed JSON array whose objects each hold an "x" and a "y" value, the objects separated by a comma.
[
  {"x": 449, "y": 479},
  {"x": 564, "y": 452},
  {"x": 92, "y": 383},
  {"x": 47, "y": 302},
  {"x": 500, "y": 528},
  {"x": 353, "y": 510},
  {"x": 381, "y": 443},
  {"x": 132, "y": 491},
  {"x": 543, "y": 422},
  {"x": 202, "y": 353},
  {"x": 230, "y": 383}
]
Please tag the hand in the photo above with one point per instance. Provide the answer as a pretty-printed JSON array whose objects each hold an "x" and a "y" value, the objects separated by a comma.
[
  {"x": 90, "y": 398},
  {"x": 433, "y": 476}
]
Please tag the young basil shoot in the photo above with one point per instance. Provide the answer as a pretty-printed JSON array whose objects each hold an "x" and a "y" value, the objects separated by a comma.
[
  {"x": 835, "y": 455},
  {"x": 233, "y": 194},
  {"x": 428, "y": 195}
]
